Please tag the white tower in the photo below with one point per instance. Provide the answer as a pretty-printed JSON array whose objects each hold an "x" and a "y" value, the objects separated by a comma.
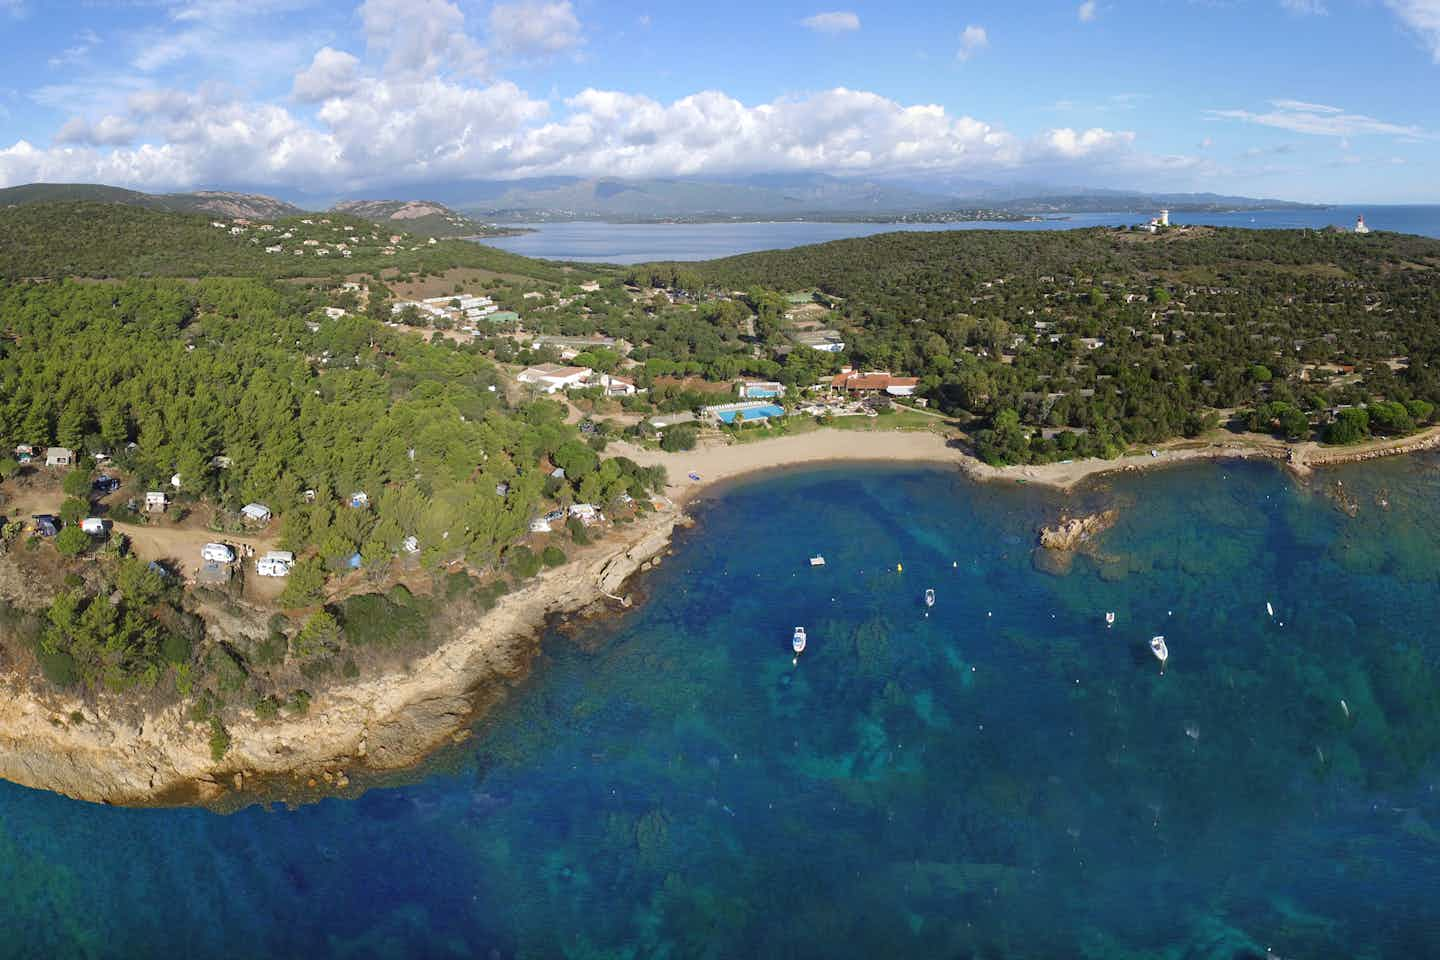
[
  {"x": 1360, "y": 225},
  {"x": 1164, "y": 218}
]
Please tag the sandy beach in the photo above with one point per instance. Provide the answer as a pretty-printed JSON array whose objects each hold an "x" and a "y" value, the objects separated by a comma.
[{"x": 718, "y": 461}]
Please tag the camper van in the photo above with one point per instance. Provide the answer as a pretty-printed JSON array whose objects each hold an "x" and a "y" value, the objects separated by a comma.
[{"x": 217, "y": 553}]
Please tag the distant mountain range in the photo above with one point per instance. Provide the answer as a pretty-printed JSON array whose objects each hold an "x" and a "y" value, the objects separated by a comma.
[{"x": 463, "y": 205}]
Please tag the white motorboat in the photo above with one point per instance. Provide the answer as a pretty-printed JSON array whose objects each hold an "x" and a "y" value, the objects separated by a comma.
[
  {"x": 1162, "y": 652},
  {"x": 1110, "y": 618},
  {"x": 817, "y": 561},
  {"x": 797, "y": 642},
  {"x": 929, "y": 598}
]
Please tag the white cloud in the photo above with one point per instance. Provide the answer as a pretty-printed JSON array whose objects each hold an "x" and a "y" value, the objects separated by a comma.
[
  {"x": 85, "y": 41},
  {"x": 390, "y": 129},
  {"x": 421, "y": 37},
  {"x": 1087, "y": 11},
  {"x": 972, "y": 41},
  {"x": 1308, "y": 8},
  {"x": 835, "y": 21},
  {"x": 1423, "y": 17},
  {"x": 109, "y": 130},
  {"x": 331, "y": 73},
  {"x": 1319, "y": 119},
  {"x": 531, "y": 28}
]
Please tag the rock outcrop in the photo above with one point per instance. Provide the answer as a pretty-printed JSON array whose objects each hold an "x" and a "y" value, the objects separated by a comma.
[
  {"x": 1073, "y": 532},
  {"x": 109, "y": 754}
]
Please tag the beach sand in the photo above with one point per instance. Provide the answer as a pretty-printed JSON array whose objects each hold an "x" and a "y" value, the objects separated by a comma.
[{"x": 717, "y": 461}]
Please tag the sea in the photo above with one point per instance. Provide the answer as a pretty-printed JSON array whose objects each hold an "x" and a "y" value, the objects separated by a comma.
[
  {"x": 1003, "y": 775},
  {"x": 597, "y": 242}
]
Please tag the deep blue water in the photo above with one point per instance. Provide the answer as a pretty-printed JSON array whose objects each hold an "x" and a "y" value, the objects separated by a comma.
[
  {"x": 643, "y": 242},
  {"x": 1007, "y": 777}
]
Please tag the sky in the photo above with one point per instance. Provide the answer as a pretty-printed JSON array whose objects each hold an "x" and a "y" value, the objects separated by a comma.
[{"x": 1317, "y": 100}]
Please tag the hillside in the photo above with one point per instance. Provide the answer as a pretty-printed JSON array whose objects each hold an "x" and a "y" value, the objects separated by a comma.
[
  {"x": 1079, "y": 343},
  {"x": 117, "y": 240},
  {"x": 421, "y": 217},
  {"x": 218, "y": 202}
]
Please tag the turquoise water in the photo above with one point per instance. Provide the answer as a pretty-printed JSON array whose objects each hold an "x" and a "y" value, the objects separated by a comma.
[
  {"x": 1004, "y": 778},
  {"x": 590, "y": 241}
]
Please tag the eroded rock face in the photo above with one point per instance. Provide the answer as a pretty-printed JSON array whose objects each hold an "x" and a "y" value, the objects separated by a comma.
[
  {"x": 1071, "y": 533},
  {"x": 107, "y": 753}
]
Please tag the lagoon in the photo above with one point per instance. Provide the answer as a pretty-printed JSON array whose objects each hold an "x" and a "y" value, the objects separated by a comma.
[
  {"x": 1005, "y": 777},
  {"x": 626, "y": 243}
]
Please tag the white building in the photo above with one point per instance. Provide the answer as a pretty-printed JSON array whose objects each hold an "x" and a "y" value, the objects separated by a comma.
[
  {"x": 93, "y": 526},
  {"x": 59, "y": 457},
  {"x": 550, "y": 377},
  {"x": 1164, "y": 218},
  {"x": 256, "y": 512},
  {"x": 1360, "y": 225},
  {"x": 217, "y": 553}
]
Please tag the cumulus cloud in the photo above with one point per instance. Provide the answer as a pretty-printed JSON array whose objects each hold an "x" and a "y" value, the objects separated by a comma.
[
  {"x": 1423, "y": 17},
  {"x": 1087, "y": 11},
  {"x": 1318, "y": 119},
  {"x": 391, "y": 129},
  {"x": 835, "y": 21},
  {"x": 331, "y": 73},
  {"x": 972, "y": 41},
  {"x": 531, "y": 28},
  {"x": 109, "y": 130},
  {"x": 421, "y": 37}
]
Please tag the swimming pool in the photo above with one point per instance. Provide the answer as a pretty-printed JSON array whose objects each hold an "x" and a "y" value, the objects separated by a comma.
[{"x": 752, "y": 413}]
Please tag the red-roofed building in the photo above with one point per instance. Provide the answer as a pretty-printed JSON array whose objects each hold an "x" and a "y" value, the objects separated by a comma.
[{"x": 875, "y": 381}]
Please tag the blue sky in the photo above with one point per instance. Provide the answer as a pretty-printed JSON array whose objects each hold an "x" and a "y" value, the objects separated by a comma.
[{"x": 1302, "y": 99}]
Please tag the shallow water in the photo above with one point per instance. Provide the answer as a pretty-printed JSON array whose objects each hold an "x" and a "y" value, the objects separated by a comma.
[{"x": 1006, "y": 777}]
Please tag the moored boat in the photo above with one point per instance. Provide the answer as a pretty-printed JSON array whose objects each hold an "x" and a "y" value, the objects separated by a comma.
[
  {"x": 1110, "y": 618},
  {"x": 929, "y": 598},
  {"x": 1162, "y": 652},
  {"x": 797, "y": 642}
]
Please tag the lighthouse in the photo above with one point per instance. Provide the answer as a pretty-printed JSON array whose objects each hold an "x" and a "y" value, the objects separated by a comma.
[
  {"x": 1360, "y": 225},
  {"x": 1164, "y": 218}
]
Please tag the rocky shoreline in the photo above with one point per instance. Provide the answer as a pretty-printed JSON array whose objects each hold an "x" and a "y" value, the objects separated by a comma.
[{"x": 59, "y": 742}]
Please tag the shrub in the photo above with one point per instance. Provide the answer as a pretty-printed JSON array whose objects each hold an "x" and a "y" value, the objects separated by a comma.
[
  {"x": 373, "y": 619},
  {"x": 679, "y": 437},
  {"x": 522, "y": 562},
  {"x": 320, "y": 634},
  {"x": 76, "y": 483},
  {"x": 298, "y": 703},
  {"x": 72, "y": 511},
  {"x": 175, "y": 648},
  {"x": 219, "y": 739},
  {"x": 228, "y": 668},
  {"x": 72, "y": 541},
  {"x": 577, "y": 531},
  {"x": 305, "y": 585},
  {"x": 267, "y": 708},
  {"x": 553, "y": 556},
  {"x": 58, "y": 667}
]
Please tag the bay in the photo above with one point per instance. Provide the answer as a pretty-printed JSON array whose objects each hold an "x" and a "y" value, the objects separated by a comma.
[
  {"x": 1003, "y": 777},
  {"x": 595, "y": 242}
]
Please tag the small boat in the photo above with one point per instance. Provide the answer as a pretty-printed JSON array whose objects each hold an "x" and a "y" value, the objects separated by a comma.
[
  {"x": 817, "y": 561},
  {"x": 929, "y": 598},
  {"x": 798, "y": 641},
  {"x": 1110, "y": 618},
  {"x": 1269, "y": 609},
  {"x": 1162, "y": 652}
]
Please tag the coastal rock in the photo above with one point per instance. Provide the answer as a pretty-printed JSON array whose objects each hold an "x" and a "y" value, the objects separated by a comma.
[
  {"x": 389, "y": 722},
  {"x": 1071, "y": 533}
]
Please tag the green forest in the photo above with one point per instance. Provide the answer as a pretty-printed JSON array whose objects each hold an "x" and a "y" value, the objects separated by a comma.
[
  {"x": 247, "y": 391},
  {"x": 1082, "y": 342}
]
